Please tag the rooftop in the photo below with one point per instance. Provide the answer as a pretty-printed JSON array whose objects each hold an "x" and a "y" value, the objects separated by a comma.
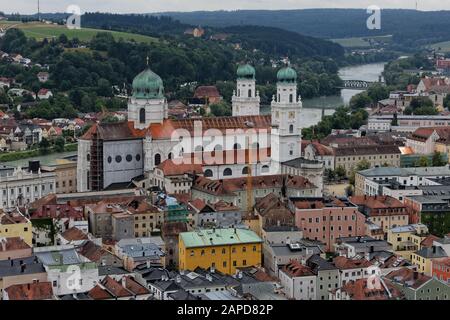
[{"x": 218, "y": 237}]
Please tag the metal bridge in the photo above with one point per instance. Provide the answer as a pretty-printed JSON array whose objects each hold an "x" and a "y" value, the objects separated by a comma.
[{"x": 357, "y": 84}]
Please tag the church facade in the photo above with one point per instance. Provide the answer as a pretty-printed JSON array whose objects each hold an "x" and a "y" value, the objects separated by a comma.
[{"x": 112, "y": 155}]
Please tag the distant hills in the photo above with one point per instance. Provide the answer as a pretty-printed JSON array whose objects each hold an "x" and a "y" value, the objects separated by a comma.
[{"x": 409, "y": 27}]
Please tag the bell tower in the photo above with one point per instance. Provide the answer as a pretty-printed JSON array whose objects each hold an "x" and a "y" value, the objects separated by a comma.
[{"x": 245, "y": 98}]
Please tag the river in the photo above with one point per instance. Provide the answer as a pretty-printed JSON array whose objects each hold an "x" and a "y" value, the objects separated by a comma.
[{"x": 312, "y": 108}]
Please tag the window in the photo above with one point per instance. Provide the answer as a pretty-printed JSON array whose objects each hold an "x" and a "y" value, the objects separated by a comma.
[
  {"x": 291, "y": 128},
  {"x": 208, "y": 173},
  {"x": 265, "y": 169},
  {"x": 142, "y": 115},
  {"x": 129, "y": 158},
  {"x": 244, "y": 262},
  {"x": 250, "y": 93},
  {"x": 157, "y": 159},
  {"x": 227, "y": 172},
  {"x": 245, "y": 170},
  {"x": 109, "y": 159},
  {"x": 138, "y": 157},
  {"x": 118, "y": 159}
]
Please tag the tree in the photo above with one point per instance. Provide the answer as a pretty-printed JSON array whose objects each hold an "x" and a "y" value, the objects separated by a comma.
[
  {"x": 59, "y": 144},
  {"x": 438, "y": 160},
  {"x": 423, "y": 162},
  {"x": 360, "y": 101},
  {"x": 330, "y": 174},
  {"x": 394, "y": 120},
  {"x": 44, "y": 146},
  {"x": 220, "y": 109},
  {"x": 363, "y": 165},
  {"x": 340, "y": 172}
]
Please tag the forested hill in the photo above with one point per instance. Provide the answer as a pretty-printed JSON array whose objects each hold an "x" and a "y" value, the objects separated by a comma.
[
  {"x": 269, "y": 40},
  {"x": 407, "y": 26},
  {"x": 282, "y": 42}
]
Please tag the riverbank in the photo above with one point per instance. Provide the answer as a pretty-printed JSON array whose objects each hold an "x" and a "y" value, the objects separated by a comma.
[{"x": 15, "y": 156}]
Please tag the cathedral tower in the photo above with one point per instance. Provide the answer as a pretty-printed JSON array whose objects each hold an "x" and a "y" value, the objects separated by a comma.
[
  {"x": 245, "y": 98},
  {"x": 147, "y": 104},
  {"x": 286, "y": 107}
]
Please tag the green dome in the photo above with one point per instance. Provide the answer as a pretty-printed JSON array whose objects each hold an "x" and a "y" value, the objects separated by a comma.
[
  {"x": 148, "y": 85},
  {"x": 287, "y": 74},
  {"x": 246, "y": 71}
]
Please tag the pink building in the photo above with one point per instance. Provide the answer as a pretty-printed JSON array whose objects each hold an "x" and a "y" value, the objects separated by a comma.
[{"x": 326, "y": 219}]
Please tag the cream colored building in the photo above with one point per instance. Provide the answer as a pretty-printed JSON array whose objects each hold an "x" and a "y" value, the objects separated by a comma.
[{"x": 66, "y": 175}]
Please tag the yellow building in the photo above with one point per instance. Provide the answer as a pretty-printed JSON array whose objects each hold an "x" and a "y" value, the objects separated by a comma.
[
  {"x": 225, "y": 250},
  {"x": 16, "y": 225},
  {"x": 147, "y": 218},
  {"x": 405, "y": 240},
  {"x": 424, "y": 257}
]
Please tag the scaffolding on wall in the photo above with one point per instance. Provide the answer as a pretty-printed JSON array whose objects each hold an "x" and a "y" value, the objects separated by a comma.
[{"x": 96, "y": 163}]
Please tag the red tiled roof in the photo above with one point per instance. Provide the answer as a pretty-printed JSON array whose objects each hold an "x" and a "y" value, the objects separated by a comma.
[
  {"x": 135, "y": 287},
  {"x": 74, "y": 234},
  {"x": 98, "y": 293},
  {"x": 169, "y": 168},
  {"x": 408, "y": 277},
  {"x": 342, "y": 262},
  {"x": 115, "y": 287},
  {"x": 30, "y": 291},
  {"x": 13, "y": 243},
  {"x": 296, "y": 269},
  {"x": 230, "y": 186},
  {"x": 428, "y": 241},
  {"x": 378, "y": 202},
  {"x": 56, "y": 211},
  {"x": 317, "y": 204},
  {"x": 359, "y": 290},
  {"x": 206, "y": 91}
]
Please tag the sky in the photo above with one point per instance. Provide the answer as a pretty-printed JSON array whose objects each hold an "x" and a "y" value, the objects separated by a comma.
[{"x": 144, "y": 6}]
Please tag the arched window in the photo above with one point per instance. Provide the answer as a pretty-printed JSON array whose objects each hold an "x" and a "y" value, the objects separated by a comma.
[
  {"x": 279, "y": 98},
  {"x": 291, "y": 98},
  {"x": 237, "y": 146},
  {"x": 249, "y": 93},
  {"x": 291, "y": 128},
  {"x": 227, "y": 172},
  {"x": 208, "y": 173},
  {"x": 218, "y": 147},
  {"x": 170, "y": 156},
  {"x": 245, "y": 170},
  {"x": 157, "y": 159},
  {"x": 265, "y": 169},
  {"x": 198, "y": 149},
  {"x": 142, "y": 115},
  {"x": 88, "y": 157}
]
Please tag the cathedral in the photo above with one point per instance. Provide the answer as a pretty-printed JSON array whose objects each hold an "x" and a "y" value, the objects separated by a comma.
[{"x": 111, "y": 155}]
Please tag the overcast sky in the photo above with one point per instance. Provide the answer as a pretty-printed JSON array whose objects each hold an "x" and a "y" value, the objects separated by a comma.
[{"x": 141, "y": 6}]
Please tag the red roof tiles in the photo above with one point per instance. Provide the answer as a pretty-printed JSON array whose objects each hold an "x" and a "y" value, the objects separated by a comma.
[{"x": 30, "y": 291}]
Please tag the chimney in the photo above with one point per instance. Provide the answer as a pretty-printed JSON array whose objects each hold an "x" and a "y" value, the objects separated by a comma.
[
  {"x": 147, "y": 264},
  {"x": 3, "y": 241},
  {"x": 23, "y": 267},
  {"x": 178, "y": 279},
  {"x": 124, "y": 282}
]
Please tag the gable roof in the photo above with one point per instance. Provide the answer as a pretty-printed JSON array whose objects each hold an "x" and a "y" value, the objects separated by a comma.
[
  {"x": 74, "y": 234},
  {"x": 30, "y": 291}
]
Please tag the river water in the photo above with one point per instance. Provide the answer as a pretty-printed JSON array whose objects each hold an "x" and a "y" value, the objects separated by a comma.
[{"x": 312, "y": 108}]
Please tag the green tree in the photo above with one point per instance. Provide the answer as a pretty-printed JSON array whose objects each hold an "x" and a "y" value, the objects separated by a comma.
[
  {"x": 423, "y": 162},
  {"x": 220, "y": 109},
  {"x": 44, "y": 146},
  {"x": 340, "y": 172},
  {"x": 59, "y": 144},
  {"x": 360, "y": 101},
  {"x": 438, "y": 160}
]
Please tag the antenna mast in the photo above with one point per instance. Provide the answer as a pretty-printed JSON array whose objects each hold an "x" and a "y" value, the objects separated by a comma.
[{"x": 39, "y": 11}]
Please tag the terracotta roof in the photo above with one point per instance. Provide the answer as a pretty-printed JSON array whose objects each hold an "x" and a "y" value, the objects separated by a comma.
[
  {"x": 428, "y": 241},
  {"x": 358, "y": 290},
  {"x": 206, "y": 91},
  {"x": 115, "y": 288},
  {"x": 135, "y": 287},
  {"x": 98, "y": 293},
  {"x": 92, "y": 251},
  {"x": 74, "y": 234},
  {"x": 230, "y": 186},
  {"x": 296, "y": 269},
  {"x": 169, "y": 168},
  {"x": 198, "y": 204},
  {"x": 12, "y": 218},
  {"x": 228, "y": 157},
  {"x": 321, "y": 149},
  {"x": 430, "y": 82},
  {"x": 170, "y": 229},
  {"x": 318, "y": 204},
  {"x": 408, "y": 277},
  {"x": 13, "y": 243},
  {"x": 221, "y": 206},
  {"x": 30, "y": 291},
  {"x": 342, "y": 262},
  {"x": 113, "y": 131},
  {"x": 360, "y": 150},
  {"x": 379, "y": 202},
  {"x": 56, "y": 211}
]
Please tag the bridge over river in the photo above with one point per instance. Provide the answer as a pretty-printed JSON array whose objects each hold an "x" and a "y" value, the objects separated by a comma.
[{"x": 358, "y": 84}]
